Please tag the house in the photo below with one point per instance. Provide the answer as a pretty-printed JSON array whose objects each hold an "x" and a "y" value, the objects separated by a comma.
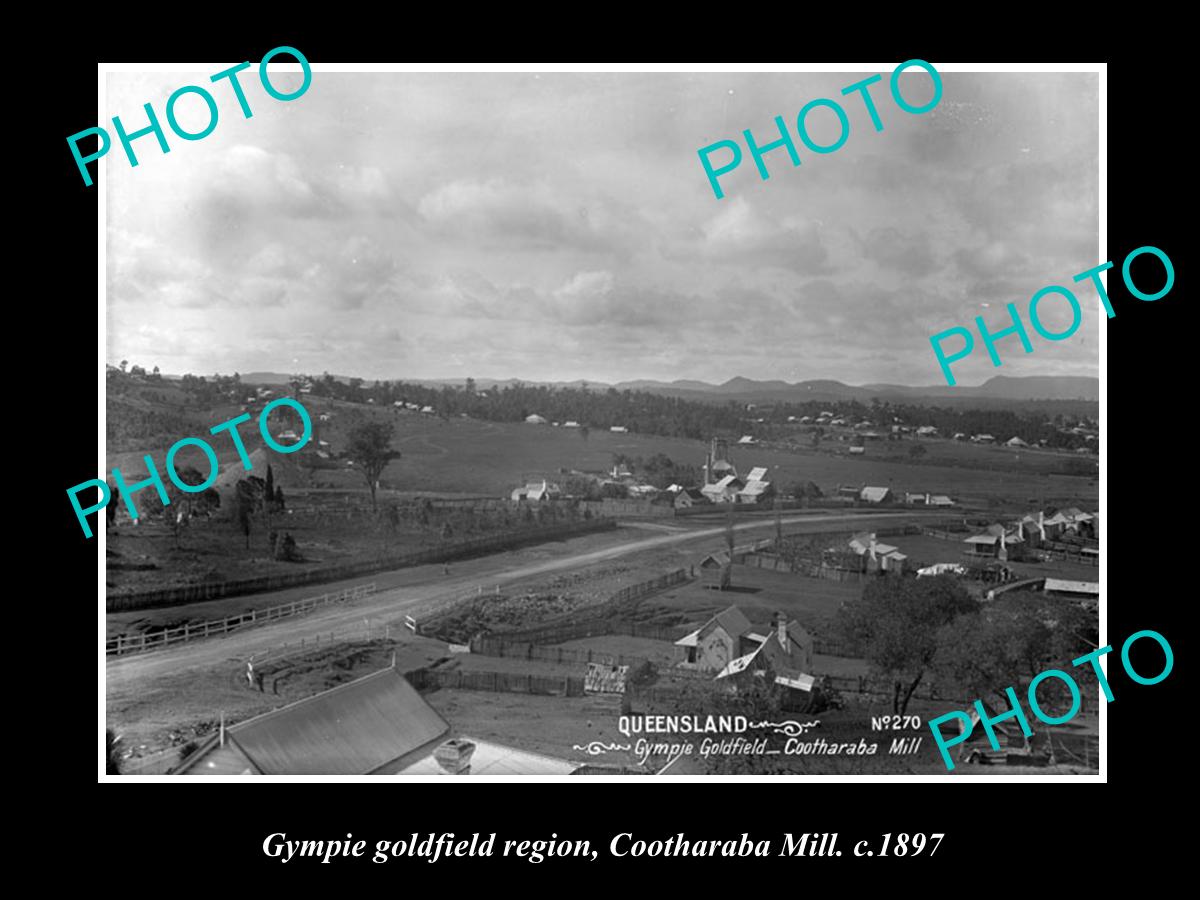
[
  {"x": 786, "y": 649},
  {"x": 858, "y": 449},
  {"x": 716, "y": 570},
  {"x": 1055, "y": 525},
  {"x": 723, "y": 491},
  {"x": 689, "y": 497},
  {"x": 938, "y": 500},
  {"x": 996, "y": 542},
  {"x": 535, "y": 419},
  {"x": 959, "y": 436},
  {"x": 571, "y": 424},
  {"x": 848, "y": 491},
  {"x": 875, "y": 495},
  {"x": 747, "y": 439},
  {"x": 916, "y": 499},
  {"x": 927, "y": 431},
  {"x": 1032, "y": 528},
  {"x": 983, "y": 439},
  {"x": 712, "y": 646},
  {"x": 373, "y": 725},
  {"x": 877, "y": 557},
  {"x": 536, "y": 492},
  {"x": 1015, "y": 442},
  {"x": 619, "y": 429},
  {"x": 621, "y": 471},
  {"x": 1078, "y": 521},
  {"x": 428, "y": 410},
  {"x": 757, "y": 488}
]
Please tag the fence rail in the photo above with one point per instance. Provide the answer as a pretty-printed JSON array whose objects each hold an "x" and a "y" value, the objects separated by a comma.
[
  {"x": 511, "y": 682},
  {"x": 600, "y": 619},
  {"x": 216, "y": 590},
  {"x": 122, "y": 644}
]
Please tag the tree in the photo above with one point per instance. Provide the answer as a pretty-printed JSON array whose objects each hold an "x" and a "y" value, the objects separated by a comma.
[
  {"x": 248, "y": 497},
  {"x": 279, "y": 502},
  {"x": 1010, "y": 641},
  {"x": 896, "y": 625},
  {"x": 369, "y": 446},
  {"x": 269, "y": 491}
]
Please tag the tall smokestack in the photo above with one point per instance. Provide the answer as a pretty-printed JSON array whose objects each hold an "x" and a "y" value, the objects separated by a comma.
[{"x": 781, "y": 630}]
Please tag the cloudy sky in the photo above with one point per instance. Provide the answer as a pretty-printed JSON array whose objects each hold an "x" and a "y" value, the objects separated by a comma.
[{"x": 560, "y": 226}]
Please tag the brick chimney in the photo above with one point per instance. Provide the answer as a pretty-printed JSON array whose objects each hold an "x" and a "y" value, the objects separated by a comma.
[
  {"x": 454, "y": 756},
  {"x": 872, "y": 546}
]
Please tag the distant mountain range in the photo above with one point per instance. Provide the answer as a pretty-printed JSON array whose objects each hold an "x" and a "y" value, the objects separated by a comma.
[{"x": 999, "y": 387}]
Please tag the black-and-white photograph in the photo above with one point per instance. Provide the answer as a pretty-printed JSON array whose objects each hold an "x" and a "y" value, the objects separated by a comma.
[{"x": 521, "y": 422}]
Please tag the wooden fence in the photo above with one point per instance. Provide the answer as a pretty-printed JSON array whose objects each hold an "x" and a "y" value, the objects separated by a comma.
[
  {"x": 600, "y": 619},
  {"x": 512, "y": 682},
  {"x": 136, "y": 643},
  {"x": 215, "y": 590}
]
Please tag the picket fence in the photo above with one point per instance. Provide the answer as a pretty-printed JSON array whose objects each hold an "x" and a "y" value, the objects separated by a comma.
[{"x": 121, "y": 644}]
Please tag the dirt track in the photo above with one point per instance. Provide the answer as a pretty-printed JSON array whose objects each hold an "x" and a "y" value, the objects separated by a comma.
[{"x": 393, "y": 604}]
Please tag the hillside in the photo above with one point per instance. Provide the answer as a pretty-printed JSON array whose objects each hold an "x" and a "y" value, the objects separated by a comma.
[{"x": 1031, "y": 388}]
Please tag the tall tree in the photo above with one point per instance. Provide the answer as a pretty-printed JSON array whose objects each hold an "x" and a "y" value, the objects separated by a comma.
[
  {"x": 369, "y": 446},
  {"x": 896, "y": 625}
]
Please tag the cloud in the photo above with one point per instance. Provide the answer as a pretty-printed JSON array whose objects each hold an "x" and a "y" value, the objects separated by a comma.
[{"x": 910, "y": 253}]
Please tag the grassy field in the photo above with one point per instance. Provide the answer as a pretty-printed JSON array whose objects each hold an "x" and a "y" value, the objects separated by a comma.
[
  {"x": 759, "y": 593},
  {"x": 478, "y": 457}
]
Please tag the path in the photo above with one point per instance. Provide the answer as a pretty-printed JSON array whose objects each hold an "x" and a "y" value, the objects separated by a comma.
[{"x": 392, "y": 605}]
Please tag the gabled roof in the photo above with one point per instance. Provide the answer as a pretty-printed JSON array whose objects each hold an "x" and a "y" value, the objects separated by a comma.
[
  {"x": 732, "y": 620},
  {"x": 875, "y": 494},
  {"x": 726, "y": 482},
  {"x": 757, "y": 474},
  {"x": 755, "y": 488},
  {"x": 771, "y": 652},
  {"x": 981, "y": 539},
  {"x": 353, "y": 729}
]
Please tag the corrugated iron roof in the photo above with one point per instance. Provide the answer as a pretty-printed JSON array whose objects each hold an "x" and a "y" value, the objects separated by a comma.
[
  {"x": 1075, "y": 587},
  {"x": 353, "y": 729}
]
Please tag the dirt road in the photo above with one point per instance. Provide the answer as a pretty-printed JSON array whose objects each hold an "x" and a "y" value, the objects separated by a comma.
[{"x": 393, "y": 604}]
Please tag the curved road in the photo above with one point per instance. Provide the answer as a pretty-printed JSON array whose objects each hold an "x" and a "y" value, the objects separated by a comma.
[{"x": 393, "y": 604}]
